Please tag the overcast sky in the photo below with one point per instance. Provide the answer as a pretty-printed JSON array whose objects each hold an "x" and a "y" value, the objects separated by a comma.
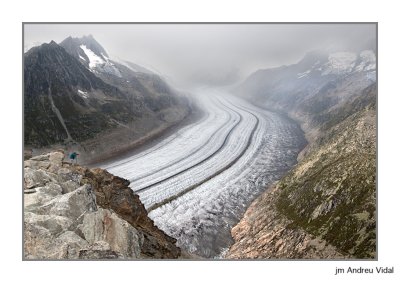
[{"x": 209, "y": 53}]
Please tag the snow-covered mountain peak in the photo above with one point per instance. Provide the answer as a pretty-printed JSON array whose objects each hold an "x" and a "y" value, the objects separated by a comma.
[
  {"x": 101, "y": 63},
  {"x": 92, "y": 55},
  {"x": 94, "y": 60},
  {"x": 340, "y": 63}
]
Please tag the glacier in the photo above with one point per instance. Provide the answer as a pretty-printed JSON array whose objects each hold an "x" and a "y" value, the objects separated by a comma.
[{"x": 197, "y": 182}]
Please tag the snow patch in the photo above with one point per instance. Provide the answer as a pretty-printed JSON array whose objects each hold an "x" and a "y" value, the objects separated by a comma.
[
  {"x": 313, "y": 68},
  {"x": 340, "y": 63},
  {"x": 101, "y": 64},
  {"x": 371, "y": 76},
  {"x": 82, "y": 58},
  {"x": 104, "y": 56},
  {"x": 368, "y": 61},
  {"x": 315, "y": 64},
  {"x": 304, "y": 74},
  {"x": 83, "y": 94},
  {"x": 94, "y": 60}
]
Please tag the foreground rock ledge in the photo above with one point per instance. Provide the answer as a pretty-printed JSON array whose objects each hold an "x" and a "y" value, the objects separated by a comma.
[{"x": 72, "y": 212}]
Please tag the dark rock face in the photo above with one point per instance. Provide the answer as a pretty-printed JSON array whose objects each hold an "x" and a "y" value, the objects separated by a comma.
[
  {"x": 53, "y": 80},
  {"x": 325, "y": 206},
  {"x": 71, "y": 212},
  {"x": 113, "y": 193},
  {"x": 72, "y": 101}
]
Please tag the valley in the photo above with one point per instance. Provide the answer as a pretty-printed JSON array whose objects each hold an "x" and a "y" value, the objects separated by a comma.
[
  {"x": 275, "y": 164},
  {"x": 197, "y": 183}
]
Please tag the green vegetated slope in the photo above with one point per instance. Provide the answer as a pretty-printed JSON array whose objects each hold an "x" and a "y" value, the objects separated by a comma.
[{"x": 331, "y": 192}]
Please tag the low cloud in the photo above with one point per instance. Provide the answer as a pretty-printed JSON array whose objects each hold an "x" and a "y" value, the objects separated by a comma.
[{"x": 216, "y": 54}]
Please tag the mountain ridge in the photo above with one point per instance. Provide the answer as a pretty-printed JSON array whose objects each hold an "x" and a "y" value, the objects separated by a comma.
[{"x": 72, "y": 104}]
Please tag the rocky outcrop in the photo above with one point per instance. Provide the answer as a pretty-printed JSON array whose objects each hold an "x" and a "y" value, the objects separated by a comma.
[{"x": 72, "y": 212}]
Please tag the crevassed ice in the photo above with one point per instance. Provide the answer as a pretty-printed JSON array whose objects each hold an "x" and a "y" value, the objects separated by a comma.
[{"x": 201, "y": 219}]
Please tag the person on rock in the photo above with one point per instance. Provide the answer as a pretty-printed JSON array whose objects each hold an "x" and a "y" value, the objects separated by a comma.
[{"x": 74, "y": 156}]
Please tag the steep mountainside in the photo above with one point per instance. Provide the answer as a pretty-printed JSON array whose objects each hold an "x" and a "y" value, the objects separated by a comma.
[
  {"x": 74, "y": 95},
  {"x": 63, "y": 101},
  {"x": 310, "y": 89},
  {"x": 325, "y": 206},
  {"x": 71, "y": 212}
]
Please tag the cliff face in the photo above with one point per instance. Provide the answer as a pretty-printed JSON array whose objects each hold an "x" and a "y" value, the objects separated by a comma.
[
  {"x": 325, "y": 206},
  {"x": 71, "y": 212}
]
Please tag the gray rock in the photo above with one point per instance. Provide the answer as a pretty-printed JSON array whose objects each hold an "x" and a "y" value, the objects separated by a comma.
[
  {"x": 69, "y": 186},
  {"x": 37, "y": 164},
  {"x": 53, "y": 223},
  {"x": 43, "y": 157},
  {"x": 36, "y": 178},
  {"x": 66, "y": 175},
  {"x": 73, "y": 244},
  {"x": 105, "y": 225},
  {"x": 73, "y": 204},
  {"x": 37, "y": 242},
  {"x": 40, "y": 243},
  {"x": 56, "y": 159},
  {"x": 41, "y": 195},
  {"x": 99, "y": 250},
  {"x": 51, "y": 189},
  {"x": 63, "y": 171}
]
